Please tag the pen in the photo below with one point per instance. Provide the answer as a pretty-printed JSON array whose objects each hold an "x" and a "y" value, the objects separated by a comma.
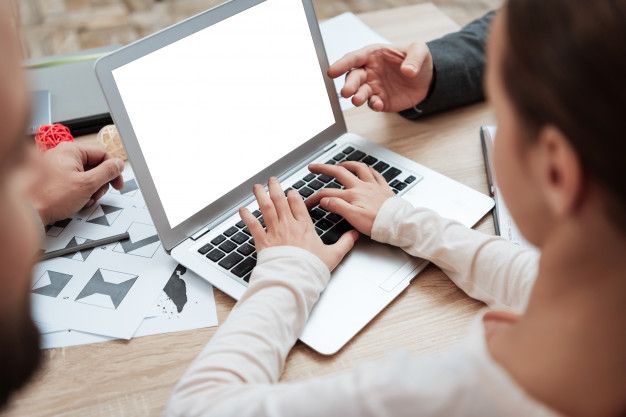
[
  {"x": 84, "y": 246},
  {"x": 487, "y": 148}
]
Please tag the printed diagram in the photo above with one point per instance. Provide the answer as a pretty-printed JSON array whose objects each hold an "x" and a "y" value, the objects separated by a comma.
[
  {"x": 51, "y": 283},
  {"x": 176, "y": 288},
  {"x": 83, "y": 254},
  {"x": 104, "y": 215},
  {"x": 143, "y": 241},
  {"x": 106, "y": 288},
  {"x": 130, "y": 188},
  {"x": 54, "y": 230}
]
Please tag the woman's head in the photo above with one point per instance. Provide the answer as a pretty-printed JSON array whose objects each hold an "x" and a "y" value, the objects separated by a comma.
[{"x": 556, "y": 77}]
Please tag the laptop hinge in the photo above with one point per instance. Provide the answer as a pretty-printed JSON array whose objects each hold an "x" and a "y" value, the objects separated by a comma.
[{"x": 207, "y": 228}]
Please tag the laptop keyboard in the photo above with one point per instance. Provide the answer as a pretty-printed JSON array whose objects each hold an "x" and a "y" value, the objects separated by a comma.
[{"x": 234, "y": 250}]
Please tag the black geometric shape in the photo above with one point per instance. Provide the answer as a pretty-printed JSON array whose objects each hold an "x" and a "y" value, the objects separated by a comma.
[
  {"x": 83, "y": 253},
  {"x": 58, "y": 281},
  {"x": 54, "y": 230},
  {"x": 176, "y": 288},
  {"x": 106, "y": 210},
  {"x": 97, "y": 285}
]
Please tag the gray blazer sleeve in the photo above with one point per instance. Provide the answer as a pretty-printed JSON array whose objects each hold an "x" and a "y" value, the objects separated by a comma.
[{"x": 459, "y": 64}]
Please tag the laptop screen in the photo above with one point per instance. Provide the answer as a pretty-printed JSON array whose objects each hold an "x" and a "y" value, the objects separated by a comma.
[{"x": 213, "y": 109}]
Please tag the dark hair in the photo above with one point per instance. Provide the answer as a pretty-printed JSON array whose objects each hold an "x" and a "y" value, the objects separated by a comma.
[{"x": 565, "y": 65}]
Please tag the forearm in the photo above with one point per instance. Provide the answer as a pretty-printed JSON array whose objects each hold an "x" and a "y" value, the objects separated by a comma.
[
  {"x": 487, "y": 268},
  {"x": 248, "y": 352},
  {"x": 459, "y": 65}
]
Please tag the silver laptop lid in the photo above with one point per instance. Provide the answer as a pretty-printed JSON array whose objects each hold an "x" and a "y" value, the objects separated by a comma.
[{"x": 214, "y": 104}]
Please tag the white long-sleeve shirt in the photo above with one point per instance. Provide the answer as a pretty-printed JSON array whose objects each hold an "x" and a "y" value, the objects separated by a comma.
[{"x": 237, "y": 373}]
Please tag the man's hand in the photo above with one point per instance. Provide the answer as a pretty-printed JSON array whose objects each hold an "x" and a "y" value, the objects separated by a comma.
[
  {"x": 365, "y": 192},
  {"x": 388, "y": 78},
  {"x": 288, "y": 223},
  {"x": 73, "y": 176}
]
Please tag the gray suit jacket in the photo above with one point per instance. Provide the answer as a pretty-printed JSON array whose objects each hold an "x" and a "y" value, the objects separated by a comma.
[{"x": 459, "y": 65}]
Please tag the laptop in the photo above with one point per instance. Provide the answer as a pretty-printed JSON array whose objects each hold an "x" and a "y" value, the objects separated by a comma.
[{"x": 230, "y": 97}]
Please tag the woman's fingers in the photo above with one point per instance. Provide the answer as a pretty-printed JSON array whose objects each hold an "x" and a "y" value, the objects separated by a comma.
[
  {"x": 345, "y": 177},
  {"x": 297, "y": 206},
  {"x": 265, "y": 205},
  {"x": 378, "y": 177},
  {"x": 278, "y": 198},
  {"x": 324, "y": 192},
  {"x": 354, "y": 79},
  {"x": 346, "y": 210},
  {"x": 359, "y": 169},
  {"x": 253, "y": 225}
]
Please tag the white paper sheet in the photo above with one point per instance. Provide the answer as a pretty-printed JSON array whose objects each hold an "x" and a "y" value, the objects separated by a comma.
[
  {"x": 109, "y": 291},
  {"x": 194, "y": 300},
  {"x": 342, "y": 34}
]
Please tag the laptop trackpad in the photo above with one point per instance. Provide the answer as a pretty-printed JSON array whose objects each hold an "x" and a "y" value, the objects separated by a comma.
[{"x": 363, "y": 284}]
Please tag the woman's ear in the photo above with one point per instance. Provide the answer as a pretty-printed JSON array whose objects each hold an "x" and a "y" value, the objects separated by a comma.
[{"x": 560, "y": 172}]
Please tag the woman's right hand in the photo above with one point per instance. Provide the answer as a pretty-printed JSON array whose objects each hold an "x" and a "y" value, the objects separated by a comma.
[{"x": 365, "y": 192}]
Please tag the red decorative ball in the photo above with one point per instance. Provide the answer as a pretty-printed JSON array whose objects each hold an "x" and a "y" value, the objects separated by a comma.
[{"x": 49, "y": 136}]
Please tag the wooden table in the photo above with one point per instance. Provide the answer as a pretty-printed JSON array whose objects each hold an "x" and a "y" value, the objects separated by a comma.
[{"x": 135, "y": 378}]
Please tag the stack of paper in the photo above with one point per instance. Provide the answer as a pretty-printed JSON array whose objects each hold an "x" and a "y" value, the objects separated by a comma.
[{"x": 123, "y": 290}]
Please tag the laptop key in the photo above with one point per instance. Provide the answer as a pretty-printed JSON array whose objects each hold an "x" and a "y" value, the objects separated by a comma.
[
  {"x": 240, "y": 238},
  {"x": 319, "y": 231},
  {"x": 330, "y": 162},
  {"x": 309, "y": 177},
  {"x": 246, "y": 230},
  {"x": 348, "y": 150},
  {"x": 240, "y": 224},
  {"x": 230, "y": 261},
  {"x": 316, "y": 185},
  {"x": 247, "y": 277},
  {"x": 205, "y": 249},
  {"x": 246, "y": 249},
  {"x": 324, "y": 224},
  {"x": 244, "y": 267},
  {"x": 325, "y": 178},
  {"x": 400, "y": 186},
  {"x": 306, "y": 192},
  {"x": 251, "y": 241},
  {"x": 381, "y": 166},
  {"x": 219, "y": 239},
  {"x": 369, "y": 160},
  {"x": 395, "y": 191},
  {"x": 391, "y": 173},
  {"x": 231, "y": 231},
  {"x": 334, "y": 217},
  {"x": 393, "y": 183},
  {"x": 316, "y": 213},
  {"x": 332, "y": 236},
  {"x": 355, "y": 156},
  {"x": 215, "y": 255},
  {"x": 298, "y": 185},
  {"x": 227, "y": 246},
  {"x": 339, "y": 157},
  {"x": 410, "y": 179},
  {"x": 256, "y": 213}
]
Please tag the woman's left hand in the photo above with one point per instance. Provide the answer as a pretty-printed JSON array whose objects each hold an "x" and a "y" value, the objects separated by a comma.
[{"x": 288, "y": 223}]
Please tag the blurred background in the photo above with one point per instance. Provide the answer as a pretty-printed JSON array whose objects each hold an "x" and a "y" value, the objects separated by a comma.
[{"x": 60, "y": 26}]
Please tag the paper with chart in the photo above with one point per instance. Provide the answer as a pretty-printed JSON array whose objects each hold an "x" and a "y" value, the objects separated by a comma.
[
  {"x": 342, "y": 34},
  {"x": 109, "y": 291}
]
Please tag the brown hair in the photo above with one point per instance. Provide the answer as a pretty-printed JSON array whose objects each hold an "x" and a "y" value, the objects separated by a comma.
[{"x": 565, "y": 65}]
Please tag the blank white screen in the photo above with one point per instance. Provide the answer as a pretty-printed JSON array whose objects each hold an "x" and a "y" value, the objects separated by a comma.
[{"x": 213, "y": 109}]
